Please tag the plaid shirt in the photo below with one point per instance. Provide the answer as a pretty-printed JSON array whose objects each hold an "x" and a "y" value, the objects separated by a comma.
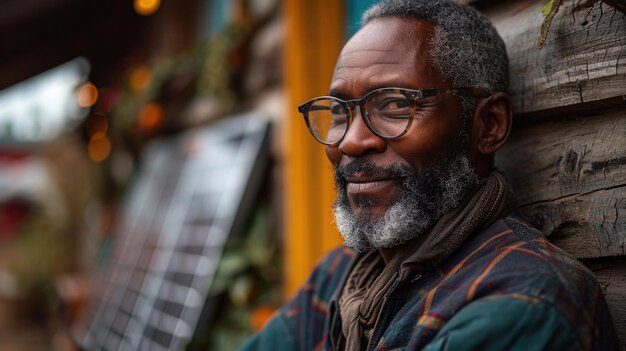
[{"x": 506, "y": 288}]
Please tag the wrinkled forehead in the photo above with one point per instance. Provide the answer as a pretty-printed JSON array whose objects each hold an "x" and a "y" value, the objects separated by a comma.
[
  {"x": 386, "y": 50},
  {"x": 395, "y": 28}
]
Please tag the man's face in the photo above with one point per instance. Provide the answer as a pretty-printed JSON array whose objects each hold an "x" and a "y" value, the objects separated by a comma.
[{"x": 373, "y": 175}]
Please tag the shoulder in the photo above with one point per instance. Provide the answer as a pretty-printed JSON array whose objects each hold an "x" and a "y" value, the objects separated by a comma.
[
  {"x": 336, "y": 260},
  {"x": 329, "y": 272},
  {"x": 507, "y": 322},
  {"x": 511, "y": 249},
  {"x": 299, "y": 324},
  {"x": 515, "y": 257},
  {"x": 511, "y": 265},
  {"x": 320, "y": 287}
]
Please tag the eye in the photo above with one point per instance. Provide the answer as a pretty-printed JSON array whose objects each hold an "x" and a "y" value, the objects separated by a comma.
[
  {"x": 395, "y": 104},
  {"x": 338, "y": 114},
  {"x": 339, "y": 119},
  {"x": 394, "y": 107},
  {"x": 337, "y": 109}
]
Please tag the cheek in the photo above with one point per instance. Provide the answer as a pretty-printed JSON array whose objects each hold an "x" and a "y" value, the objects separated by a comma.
[
  {"x": 333, "y": 154},
  {"x": 425, "y": 142},
  {"x": 416, "y": 152}
]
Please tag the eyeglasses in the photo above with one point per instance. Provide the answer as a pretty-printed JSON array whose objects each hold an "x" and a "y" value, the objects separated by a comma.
[{"x": 387, "y": 112}]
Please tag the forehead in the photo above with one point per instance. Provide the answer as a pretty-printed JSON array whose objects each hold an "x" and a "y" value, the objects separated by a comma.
[{"x": 387, "y": 52}]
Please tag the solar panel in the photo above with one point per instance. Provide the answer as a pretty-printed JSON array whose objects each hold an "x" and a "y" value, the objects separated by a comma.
[{"x": 189, "y": 196}]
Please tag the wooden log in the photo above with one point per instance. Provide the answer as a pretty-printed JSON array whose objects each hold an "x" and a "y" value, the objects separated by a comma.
[
  {"x": 570, "y": 173},
  {"x": 586, "y": 226},
  {"x": 582, "y": 64},
  {"x": 570, "y": 179},
  {"x": 568, "y": 157},
  {"x": 611, "y": 275}
]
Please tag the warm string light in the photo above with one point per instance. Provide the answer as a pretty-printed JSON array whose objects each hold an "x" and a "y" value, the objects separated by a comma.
[
  {"x": 96, "y": 127},
  {"x": 140, "y": 79},
  {"x": 87, "y": 95},
  {"x": 151, "y": 117},
  {"x": 99, "y": 147},
  {"x": 146, "y": 7}
]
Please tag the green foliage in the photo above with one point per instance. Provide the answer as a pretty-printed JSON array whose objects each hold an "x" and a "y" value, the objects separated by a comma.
[
  {"x": 548, "y": 11},
  {"x": 220, "y": 57},
  {"x": 43, "y": 251},
  {"x": 546, "y": 8},
  {"x": 231, "y": 330},
  {"x": 248, "y": 262},
  {"x": 211, "y": 65},
  {"x": 130, "y": 102},
  {"x": 247, "y": 281}
]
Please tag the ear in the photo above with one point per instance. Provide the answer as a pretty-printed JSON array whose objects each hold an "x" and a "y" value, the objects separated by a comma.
[{"x": 493, "y": 117}]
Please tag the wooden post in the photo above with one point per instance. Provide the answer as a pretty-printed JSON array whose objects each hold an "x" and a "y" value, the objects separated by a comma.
[{"x": 314, "y": 36}]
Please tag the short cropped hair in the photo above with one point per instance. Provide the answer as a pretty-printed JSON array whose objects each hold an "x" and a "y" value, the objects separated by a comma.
[{"x": 466, "y": 49}]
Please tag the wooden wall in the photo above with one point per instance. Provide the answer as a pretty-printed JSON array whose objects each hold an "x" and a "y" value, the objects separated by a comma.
[{"x": 566, "y": 156}]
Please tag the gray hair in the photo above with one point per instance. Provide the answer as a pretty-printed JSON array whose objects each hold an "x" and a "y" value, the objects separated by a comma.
[{"x": 466, "y": 49}]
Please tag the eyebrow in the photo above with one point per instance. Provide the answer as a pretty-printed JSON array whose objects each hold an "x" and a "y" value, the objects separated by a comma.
[{"x": 340, "y": 95}]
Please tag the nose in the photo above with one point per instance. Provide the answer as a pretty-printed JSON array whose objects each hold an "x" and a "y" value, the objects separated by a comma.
[{"x": 359, "y": 139}]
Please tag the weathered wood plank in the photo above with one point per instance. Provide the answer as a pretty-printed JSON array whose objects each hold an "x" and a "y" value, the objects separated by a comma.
[
  {"x": 570, "y": 174},
  {"x": 570, "y": 179},
  {"x": 586, "y": 226},
  {"x": 581, "y": 64},
  {"x": 568, "y": 157},
  {"x": 611, "y": 275}
]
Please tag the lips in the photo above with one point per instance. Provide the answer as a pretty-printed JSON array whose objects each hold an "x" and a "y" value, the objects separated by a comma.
[
  {"x": 358, "y": 185},
  {"x": 361, "y": 179},
  {"x": 366, "y": 187}
]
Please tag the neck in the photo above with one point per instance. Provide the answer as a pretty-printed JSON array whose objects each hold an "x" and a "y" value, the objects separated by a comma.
[{"x": 388, "y": 254}]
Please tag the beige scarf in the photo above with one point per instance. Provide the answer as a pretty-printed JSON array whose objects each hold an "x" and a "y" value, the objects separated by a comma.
[{"x": 370, "y": 280}]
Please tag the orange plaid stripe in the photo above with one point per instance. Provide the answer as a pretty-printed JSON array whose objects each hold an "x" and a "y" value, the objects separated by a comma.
[{"x": 431, "y": 322}]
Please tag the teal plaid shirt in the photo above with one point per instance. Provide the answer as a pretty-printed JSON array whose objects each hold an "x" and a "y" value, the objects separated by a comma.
[{"x": 506, "y": 288}]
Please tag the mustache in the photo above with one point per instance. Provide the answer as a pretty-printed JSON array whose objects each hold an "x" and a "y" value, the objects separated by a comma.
[{"x": 396, "y": 172}]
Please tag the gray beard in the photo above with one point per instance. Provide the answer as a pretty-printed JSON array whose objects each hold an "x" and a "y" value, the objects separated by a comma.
[{"x": 421, "y": 201}]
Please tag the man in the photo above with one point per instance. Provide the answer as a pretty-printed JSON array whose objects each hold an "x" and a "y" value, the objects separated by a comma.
[{"x": 435, "y": 259}]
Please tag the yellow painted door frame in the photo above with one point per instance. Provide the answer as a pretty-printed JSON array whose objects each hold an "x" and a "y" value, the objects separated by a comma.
[{"x": 314, "y": 36}]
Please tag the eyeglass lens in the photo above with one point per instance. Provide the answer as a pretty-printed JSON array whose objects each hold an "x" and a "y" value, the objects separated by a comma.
[
  {"x": 388, "y": 114},
  {"x": 328, "y": 120}
]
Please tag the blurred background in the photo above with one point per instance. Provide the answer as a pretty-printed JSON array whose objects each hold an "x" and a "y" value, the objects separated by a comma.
[{"x": 158, "y": 189}]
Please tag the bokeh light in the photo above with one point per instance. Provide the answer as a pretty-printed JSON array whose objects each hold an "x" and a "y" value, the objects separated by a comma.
[
  {"x": 151, "y": 116},
  {"x": 87, "y": 95},
  {"x": 146, "y": 7},
  {"x": 140, "y": 78},
  {"x": 99, "y": 147}
]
